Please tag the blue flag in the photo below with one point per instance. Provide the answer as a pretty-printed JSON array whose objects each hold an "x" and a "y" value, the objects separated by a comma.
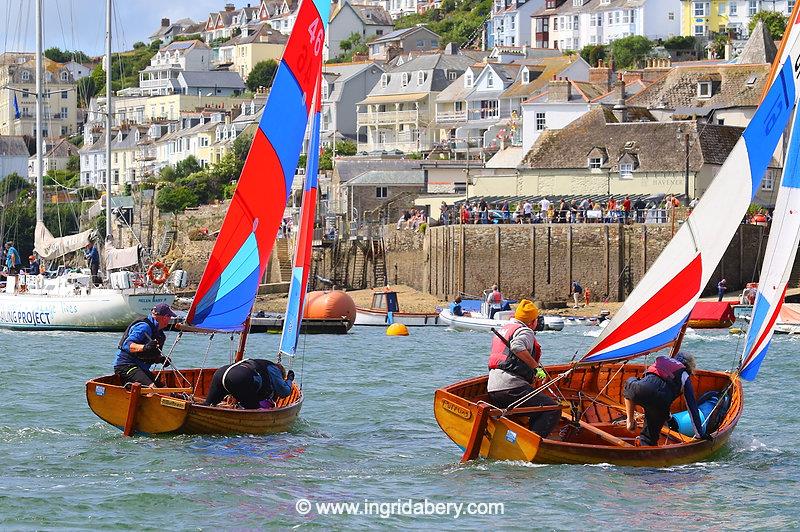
[{"x": 16, "y": 107}]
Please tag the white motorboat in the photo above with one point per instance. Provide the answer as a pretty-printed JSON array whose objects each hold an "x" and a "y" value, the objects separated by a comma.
[
  {"x": 477, "y": 321},
  {"x": 70, "y": 302}
]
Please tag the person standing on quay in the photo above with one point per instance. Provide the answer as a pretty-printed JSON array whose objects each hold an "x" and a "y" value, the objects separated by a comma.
[
  {"x": 722, "y": 287},
  {"x": 577, "y": 293}
]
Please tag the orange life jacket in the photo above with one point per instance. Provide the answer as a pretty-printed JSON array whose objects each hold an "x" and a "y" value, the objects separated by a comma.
[{"x": 501, "y": 356}]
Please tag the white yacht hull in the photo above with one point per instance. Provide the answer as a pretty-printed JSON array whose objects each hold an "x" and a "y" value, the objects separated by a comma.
[
  {"x": 379, "y": 318},
  {"x": 480, "y": 323},
  {"x": 101, "y": 310}
]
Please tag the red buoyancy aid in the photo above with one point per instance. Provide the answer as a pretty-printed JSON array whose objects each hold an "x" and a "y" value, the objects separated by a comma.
[
  {"x": 496, "y": 297},
  {"x": 670, "y": 370},
  {"x": 501, "y": 356}
]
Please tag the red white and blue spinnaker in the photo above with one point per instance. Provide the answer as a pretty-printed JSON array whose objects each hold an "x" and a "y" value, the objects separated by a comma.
[
  {"x": 655, "y": 312},
  {"x": 227, "y": 290}
]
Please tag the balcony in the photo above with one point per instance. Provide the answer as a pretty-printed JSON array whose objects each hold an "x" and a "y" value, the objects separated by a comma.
[
  {"x": 387, "y": 117},
  {"x": 477, "y": 115},
  {"x": 451, "y": 116}
]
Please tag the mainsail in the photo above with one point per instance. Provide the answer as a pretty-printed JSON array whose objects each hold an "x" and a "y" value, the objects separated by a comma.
[
  {"x": 656, "y": 310},
  {"x": 302, "y": 254},
  {"x": 49, "y": 247},
  {"x": 230, "y": 281}
]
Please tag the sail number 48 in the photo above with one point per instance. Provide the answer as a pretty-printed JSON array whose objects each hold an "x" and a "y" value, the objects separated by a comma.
[{"x": 317, "y": 34}]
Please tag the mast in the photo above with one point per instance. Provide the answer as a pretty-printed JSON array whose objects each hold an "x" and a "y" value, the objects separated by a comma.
[
  {"x": 109, "y": 112},
  {"x": 39, "y": 97}
]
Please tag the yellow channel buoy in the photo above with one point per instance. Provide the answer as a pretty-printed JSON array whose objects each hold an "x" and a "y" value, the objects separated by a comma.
[
  {"x": 735, "y": 330},
  {"x": 397, "y": 329}
]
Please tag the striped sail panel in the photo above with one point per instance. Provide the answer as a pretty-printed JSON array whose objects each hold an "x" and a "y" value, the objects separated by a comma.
[
  {"x": 779, "y": 256},
  {"x": 650, "y": 316},
  {"x": 226, "y": 292},
  {"x": 302, "y": 255}
]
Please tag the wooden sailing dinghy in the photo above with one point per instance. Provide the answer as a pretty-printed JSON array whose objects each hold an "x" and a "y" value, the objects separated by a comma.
[
  {"x": 654, "y": 317},
  {"x": 227, "y": 290}
]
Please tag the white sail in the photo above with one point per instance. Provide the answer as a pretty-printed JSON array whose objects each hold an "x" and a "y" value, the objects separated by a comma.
[
  {"x": 655, "y": 311},
  {"x": 49, "y": 247}
]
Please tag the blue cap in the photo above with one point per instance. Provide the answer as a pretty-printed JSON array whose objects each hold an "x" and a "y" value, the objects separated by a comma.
[{"x": 162, "y": 309}]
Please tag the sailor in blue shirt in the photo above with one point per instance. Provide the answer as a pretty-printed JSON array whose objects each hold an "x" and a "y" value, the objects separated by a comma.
[
  {"x": 140, "y": 347},
  {"x": 13, "y": 262},
  {"x": 93, "y": 261}
]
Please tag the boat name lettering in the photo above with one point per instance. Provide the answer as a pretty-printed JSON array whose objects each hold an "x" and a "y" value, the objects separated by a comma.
[
  {"x": 25, "y": 317},
  {"x": 173, "y": 403},
  {"x": 460, "y": 411}
]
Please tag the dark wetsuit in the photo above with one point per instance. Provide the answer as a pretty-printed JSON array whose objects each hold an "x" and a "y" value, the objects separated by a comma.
[
  {"x": 135, "y": 367},
  {"x": 250, "y": 382}
]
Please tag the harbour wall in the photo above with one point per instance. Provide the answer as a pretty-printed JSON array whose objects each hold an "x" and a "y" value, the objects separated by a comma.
[{"x": 540, "y": 261}]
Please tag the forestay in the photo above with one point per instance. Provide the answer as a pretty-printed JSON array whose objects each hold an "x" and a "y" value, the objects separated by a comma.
[
  {"x": 230, "y": 281},
  {"x": 656, "y": 310}
]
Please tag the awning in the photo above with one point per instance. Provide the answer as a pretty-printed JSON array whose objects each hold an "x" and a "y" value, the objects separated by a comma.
[{"x": 395, "y": 98}]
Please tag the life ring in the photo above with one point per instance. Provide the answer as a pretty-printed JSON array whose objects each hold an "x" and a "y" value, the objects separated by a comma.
[
  {"x": 138, "y": 280},
  {"x": 158, "y": 267}
]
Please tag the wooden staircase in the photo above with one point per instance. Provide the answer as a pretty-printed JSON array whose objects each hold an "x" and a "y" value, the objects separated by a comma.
[{"x": 378, "y": 251}]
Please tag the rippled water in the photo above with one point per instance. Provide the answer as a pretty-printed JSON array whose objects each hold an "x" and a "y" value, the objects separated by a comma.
[{"x": 367, "y": 431}]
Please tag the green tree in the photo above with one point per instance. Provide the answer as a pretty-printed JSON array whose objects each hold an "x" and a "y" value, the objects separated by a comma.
[
  {"x": 774, "y": 21},
  {"x": 346, "y": 147},
  {"x": 262, "y": 75},
  {"x": 13, "y": 181},
  {"x": 87, "y": 88},
  {"x": 139, "y": 44},
  {"x": 175, "y": 198},
  {"x": 680, "y": 42},
  {"x": 155, "y": 45},
  {"x": 456, "y": 21},
  {"x": 629, "y": 51},
  {"x": 167, "y": 174},
  {"x": 592, "y": 53},
  {"x": 204, "y": 185},
  {"x": 98, "y": 77},
  {"x": 57, "y": 55},
  {"x": 717, "y": 47},
  {"x": 241, "y": 147},
  {"x": 190, "y": 165},
  {"x": 74, "y": 164}
]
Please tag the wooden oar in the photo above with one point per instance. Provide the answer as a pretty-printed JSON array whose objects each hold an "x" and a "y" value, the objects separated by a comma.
[{"x": 610, "y": 438}]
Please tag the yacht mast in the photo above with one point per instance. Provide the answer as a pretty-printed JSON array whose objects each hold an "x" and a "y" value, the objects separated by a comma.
[
  {"x": 39, "y": 97},
  {"x": 109, "y": 113}
]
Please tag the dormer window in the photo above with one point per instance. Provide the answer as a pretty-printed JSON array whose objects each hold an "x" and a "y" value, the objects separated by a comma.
[
  {"x": 577, "y": 3},
  {"x": 384, "y": 80},
  {"x": 64, "y": 76},
  {"x": 526, "y": 76},
  {"x": 452, "y": 75},
  {"x": 420, "y": 78},
  {"x": 490, "y": 80},
  {"x": 626, "y": 170},
  {"x": 468, "y": 80},
  {"x": 704, "y": 89},
  {"x": 404, "y": 79},
  {"x": 595, "y": 163}
]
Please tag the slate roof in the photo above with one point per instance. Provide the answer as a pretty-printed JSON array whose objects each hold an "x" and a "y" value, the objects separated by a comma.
[
  {"x": 592, "y": 6},
  {"x": 213, "y": 78},
  {"x": 541, "y": 72},
  {"x": 383, "y": 177},
  {"x": 734, "y": 86},
  {"x": 583, "y": 91},
  {"x": 338, "y": 74},
  {"x": 372, "y": 15},
  {"x": 760, "y": 47},
  {"x": 657, "y": 146},
  {"x": 437, "y": 66},
  {"x": 398, "y": 34},
  {"x": 13, "y": 146},
  {"x": 349, "y": 167},
  {"x": 62, "y": 148},
  {"x": 263, "y": 33}
]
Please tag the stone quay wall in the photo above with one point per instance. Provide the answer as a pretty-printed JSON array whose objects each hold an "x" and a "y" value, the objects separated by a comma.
[{"x": 540, "y": 261}]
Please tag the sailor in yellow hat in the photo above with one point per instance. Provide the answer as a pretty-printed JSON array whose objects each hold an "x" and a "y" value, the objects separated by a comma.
[{"x": 513, "y": 366}]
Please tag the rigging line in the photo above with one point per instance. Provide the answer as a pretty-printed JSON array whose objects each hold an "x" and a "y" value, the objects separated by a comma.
[{"x": 603, "y": 389}]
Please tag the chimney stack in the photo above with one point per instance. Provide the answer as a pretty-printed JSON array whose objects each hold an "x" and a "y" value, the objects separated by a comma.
[
  {"x": 620, "y": 109},
  {"x": 164, "y": 22},
  {"x": 601, "y": 75},
  {"x": 559, "y": 90},
  {"x": 230, "y": 7}
]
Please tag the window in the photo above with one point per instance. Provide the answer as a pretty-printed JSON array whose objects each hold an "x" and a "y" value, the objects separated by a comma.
[
  {"x": 420, "y": 78},
  {"x": 404, "y": 79},
  {"x": 203, "y": 142},
  {"x": 64, "y": 112},
  {"x": 459, "y": 106},
  {"x": 704, "y": 89},
  {"x": 64, "y": 95},
  {"x": 595, "y": 163},
  {"x": 616, "y": 17},
  {"x": 541, "y": 122},
  {"x": 26, "y": 76},
  {"x": 420, "y": 43},
  {"x": 671, "y": 15},
  {"x": 720, "y": 121},
  {"x": 599, "y": 21},
  {"x": 451, "y": 75},
  {"x": 625, "y": 170},
  {"x": 752, "y": 7},
  {"x": 526, "y": 77},
  {"x": 468, "y": 80},
  {"x": 789, "y": 6},
  {"x": 555, "y": 23},
  {"x": 434, "y": 43},
  {"x": 592, "y": 22},
  {"x": 699, "y": 9},
  {"x": 577, "y": 3},
  {"x": 721, "y": 8},
  {"x": 575, "y": 22},
  {"x": 605, "y": 2},
  {"x": 699, "y": 29},
  {"x": 732, "y": 7},
  {"x": 25, "y": 93},
  {"x": 593, "y": 39},
  {"x": 63, "y": 130},
  {"x": 490, "y": 80},
  {"x": 626, "y": 17},
  {"x": 64, "y": 75},
  {"x": 768, "y": 183},
  {"x": 513, "y": 23},
  {"x": 381, "y": 192},
  {"x": 384, "y": 80}
]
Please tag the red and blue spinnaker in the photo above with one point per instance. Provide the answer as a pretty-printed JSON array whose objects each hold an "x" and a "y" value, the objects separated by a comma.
[
  {"x": 227, "y": 290},
  {"x": 305, "y": 235}
]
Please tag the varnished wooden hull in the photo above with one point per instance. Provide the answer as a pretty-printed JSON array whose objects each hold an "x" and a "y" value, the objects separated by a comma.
[
  {"x": 381, "y": 318},
  {"x": 710, "y": 324},
  {"x": 507, "y": 438},
  {"x": 164, "y": 414}
]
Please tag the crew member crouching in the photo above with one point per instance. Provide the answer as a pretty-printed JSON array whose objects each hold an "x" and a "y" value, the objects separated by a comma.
[
  {"x": 254, "y": 382},
  {"x": 140, "y": 347}
]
